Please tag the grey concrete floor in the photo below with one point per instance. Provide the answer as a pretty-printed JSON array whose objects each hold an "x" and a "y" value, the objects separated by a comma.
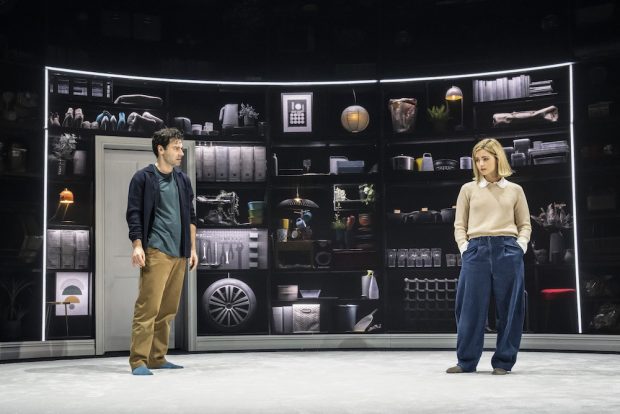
[{"x": 315, "y": 382}]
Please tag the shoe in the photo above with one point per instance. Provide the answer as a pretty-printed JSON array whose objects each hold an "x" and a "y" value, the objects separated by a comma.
[
  {"x": 94, "y": 125},
  {"x": 131, "y": 121},
  {"x": 122, "y": 123},
  {"x": 78, "y": 118},
  {"x": 455, "y": 370},
  {"x": 168, "y": 365},
  {"x": 159, "y": 123},
  {"x": 141, "y": 370},
  {"x": 499, "y": 371},
  {"x": 113, "y": 123},
  {"x": 86, "y": 125},
  {"x": 102, "y": 114},
  {"x": 68, "y": 121},
  {"x": 54, "y": 120},
  {"x": 105, "y": 123}
]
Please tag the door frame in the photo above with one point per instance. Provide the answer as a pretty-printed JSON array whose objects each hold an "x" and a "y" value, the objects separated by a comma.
[{"x": 184, "y": 330}]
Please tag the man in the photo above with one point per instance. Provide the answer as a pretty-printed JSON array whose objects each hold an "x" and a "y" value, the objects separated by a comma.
[{"x": 162, "y": 229}]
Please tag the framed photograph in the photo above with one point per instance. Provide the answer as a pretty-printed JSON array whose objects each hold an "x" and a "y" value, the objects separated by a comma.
[{"x": 297, "y": 112}]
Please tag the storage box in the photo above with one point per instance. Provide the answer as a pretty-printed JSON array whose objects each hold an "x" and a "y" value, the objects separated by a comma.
[{"x": 350, "y": 167}]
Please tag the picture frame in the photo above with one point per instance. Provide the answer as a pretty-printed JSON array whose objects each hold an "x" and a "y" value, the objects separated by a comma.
[
  {"x": 297, "y": 112},
  {"x": 73, "y": 287}
]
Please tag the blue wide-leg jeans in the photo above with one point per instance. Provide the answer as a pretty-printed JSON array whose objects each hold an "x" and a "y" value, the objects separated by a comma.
[{"x": 490, "y": 264}]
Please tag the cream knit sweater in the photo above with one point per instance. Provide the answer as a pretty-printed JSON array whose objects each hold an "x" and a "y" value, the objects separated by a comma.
[{"x": 491, "y": 209}]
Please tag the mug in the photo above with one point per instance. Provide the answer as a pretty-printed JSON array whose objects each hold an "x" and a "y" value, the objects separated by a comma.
[{"x": 466, "y": 163}]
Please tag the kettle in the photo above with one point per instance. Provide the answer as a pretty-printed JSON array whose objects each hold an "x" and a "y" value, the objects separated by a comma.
[{"x": 229, "y": 115}]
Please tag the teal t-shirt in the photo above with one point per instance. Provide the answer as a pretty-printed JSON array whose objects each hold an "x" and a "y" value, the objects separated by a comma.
[{"x": 166, "y": 231}]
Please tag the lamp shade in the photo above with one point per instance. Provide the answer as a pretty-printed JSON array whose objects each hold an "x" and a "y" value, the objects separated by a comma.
[
  {"x": 66, "y": 197},
  {"x": 454, "y": 94},
  {"x": 298, "y": 202},
  {"x": 354, "y": 118}
]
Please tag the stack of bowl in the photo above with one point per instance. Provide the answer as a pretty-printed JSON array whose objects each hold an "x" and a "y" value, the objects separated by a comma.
[{"x": 255, "y": 212}]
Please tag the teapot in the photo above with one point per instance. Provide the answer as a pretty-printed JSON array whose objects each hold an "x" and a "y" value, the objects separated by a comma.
[{"x": 229, "y": 116}]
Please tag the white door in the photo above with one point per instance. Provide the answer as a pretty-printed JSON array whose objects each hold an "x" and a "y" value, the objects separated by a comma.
[{"x": 116, "y": 280}]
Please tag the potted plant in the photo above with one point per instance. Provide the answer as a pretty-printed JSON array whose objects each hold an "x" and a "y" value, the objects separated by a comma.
[
  {"x": 339, "y": 226},
  {"x": 248, "y": 114},
  {"x": 12, "y": 312},
  {"x": 367, "y": 193},
  {"x": 62, "y": 149},
  {"x": 439, "y": 116}
]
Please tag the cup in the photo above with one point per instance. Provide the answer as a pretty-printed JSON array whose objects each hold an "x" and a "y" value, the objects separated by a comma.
[
  {"x": 208, "y": 127},
  {"x": 436, "y": 255},
  {"x": 450, "y": 259},
  {"x": 196, "y": 128},
  {"x": 391, "y": 257},
  {"x": 282, "y": 235},
  {"x": 465, "y": 163}
]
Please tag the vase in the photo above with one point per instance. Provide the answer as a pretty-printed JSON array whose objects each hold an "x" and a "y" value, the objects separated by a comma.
[
  {"x": 373, "y": 289},
  {"x": 61, "y": 168},
  {"x": 403, "y": 112},
  {"x": 556, "y": 247},
  {"x": 247, "y": 121}
]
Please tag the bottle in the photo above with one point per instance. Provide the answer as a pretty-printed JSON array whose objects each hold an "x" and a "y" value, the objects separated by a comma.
[
  {"x": 275, "y": 164},
  {"x": 373, "y": 289}
]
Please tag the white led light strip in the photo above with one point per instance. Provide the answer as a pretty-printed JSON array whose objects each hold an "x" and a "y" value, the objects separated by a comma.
[
  {"x": 475, "y": 75},
  {"x": 211, "y": 82}
]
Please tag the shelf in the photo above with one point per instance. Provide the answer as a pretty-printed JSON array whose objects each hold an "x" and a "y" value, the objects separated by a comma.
[
  {"x": 54, "y": 130},
  {"x": 239, "y": 226},
  {"x": 324, "y": 144},
  {"x": 423, "y": 269},
  {"x": 225, "y": 185},
  {"x": 611, "y": 215},
  {"x": 321, "y": 180},
  {"x": 549, "y": 98},
  {"x": 20, "y": 176},
  {"x": 414, "y": 140},
  {"x": 220, "y": 140},
  {"x": 21, "y": 128},
  {"x": 205, "y": 270},
  {"x": 68, "y": 179},
  {"x": 86, "y": 103},
  {"x": 522, "y": 131},
  {"x": 277, "y": 302},
  {"x": 317, "y": 272},
  {"x": 67, "y": 226}
]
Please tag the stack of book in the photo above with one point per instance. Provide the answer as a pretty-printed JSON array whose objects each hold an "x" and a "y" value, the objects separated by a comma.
[{"x": 541, "y": 88}]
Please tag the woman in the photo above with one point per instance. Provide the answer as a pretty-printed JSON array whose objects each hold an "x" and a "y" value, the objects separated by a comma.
[{"x": 492, "y": 229}]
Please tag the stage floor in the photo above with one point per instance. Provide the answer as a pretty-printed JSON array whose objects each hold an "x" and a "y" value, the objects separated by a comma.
[{"x": 315, "y": 382}]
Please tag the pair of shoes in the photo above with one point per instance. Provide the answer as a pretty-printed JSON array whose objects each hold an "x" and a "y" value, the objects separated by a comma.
[
  {"x": 54, "y": 120},
  {"x": 122, "y": 122},
  {"x": 499, "y": 371},
  {"x": 455, "y": 370},
  {"x": 168, "y": 365},
  {"x": 78, "y": 118},
  {"x": 141, "y": 370},
  {"x": 68, "y": 121}
]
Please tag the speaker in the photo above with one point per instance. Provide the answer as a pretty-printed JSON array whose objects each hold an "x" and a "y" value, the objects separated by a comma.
[{"x": 322, "y": 254}]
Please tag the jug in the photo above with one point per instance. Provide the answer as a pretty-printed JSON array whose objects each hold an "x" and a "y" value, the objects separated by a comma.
[
  {"x": 229, "y": 116},
  {"x": 404, "y": 112},
  {"x": 427, "y": 162}
]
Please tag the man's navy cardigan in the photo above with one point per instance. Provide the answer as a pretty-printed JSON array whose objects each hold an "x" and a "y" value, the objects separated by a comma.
[{"x": 143, "y": 200}]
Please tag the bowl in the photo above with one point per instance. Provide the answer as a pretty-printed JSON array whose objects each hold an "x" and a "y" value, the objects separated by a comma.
[{"x": 310, "y": 293}]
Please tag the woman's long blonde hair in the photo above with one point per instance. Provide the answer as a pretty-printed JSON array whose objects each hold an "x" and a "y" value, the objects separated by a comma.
[{"x": 493, "y": 147}]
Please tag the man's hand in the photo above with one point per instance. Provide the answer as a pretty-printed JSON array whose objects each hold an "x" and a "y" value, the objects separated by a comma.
[
  {"x": 193, "y": 260},
  {"x": 137, "y": 257}
]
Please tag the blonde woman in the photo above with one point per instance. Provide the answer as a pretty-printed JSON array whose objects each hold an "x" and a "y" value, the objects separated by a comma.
[{"x": 492, "y": 229}]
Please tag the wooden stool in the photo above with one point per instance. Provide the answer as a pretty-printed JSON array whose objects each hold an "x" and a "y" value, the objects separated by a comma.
[{"x": 50, "y": 305}]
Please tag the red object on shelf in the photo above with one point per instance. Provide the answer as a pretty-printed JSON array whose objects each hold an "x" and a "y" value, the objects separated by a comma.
[{"x": 550, "y": 294}]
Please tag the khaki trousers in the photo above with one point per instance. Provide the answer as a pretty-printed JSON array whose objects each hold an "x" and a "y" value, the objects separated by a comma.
[{"x": 161, "y": 282}]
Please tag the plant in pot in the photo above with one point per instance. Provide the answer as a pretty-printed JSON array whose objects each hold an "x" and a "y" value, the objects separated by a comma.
[
  {"x": 367, "y": 193},
  {"x": 339, "y": 227},
  {"x": 12, "y": 312},
  {"x": 62, "y": 149},
  {"x": 248, "y": 114},
  {"x": 439, "y": 116}
]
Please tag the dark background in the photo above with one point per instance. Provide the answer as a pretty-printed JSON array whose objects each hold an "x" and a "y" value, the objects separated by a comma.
[{"x": 304, "y": 39}]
